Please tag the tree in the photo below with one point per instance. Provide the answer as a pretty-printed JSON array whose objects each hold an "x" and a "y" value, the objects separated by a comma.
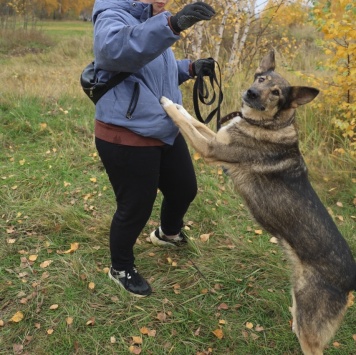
[{"x": 336, "y": 20}]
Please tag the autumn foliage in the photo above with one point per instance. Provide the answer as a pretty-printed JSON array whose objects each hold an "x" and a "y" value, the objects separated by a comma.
[{"x": 336, "y": 20}]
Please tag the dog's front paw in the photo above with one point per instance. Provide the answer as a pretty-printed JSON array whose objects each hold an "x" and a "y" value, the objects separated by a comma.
[{"x": 165, "y": 102}]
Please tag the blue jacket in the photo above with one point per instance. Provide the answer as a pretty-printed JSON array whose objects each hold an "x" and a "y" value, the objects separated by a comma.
[{"x": 128, "y": 38}]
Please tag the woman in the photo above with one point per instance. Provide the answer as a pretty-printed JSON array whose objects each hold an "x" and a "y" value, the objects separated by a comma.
[{"x": 138, "y": 143}]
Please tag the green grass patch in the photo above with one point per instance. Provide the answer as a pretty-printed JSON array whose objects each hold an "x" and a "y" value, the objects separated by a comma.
[{"x": 54, "y": 193}]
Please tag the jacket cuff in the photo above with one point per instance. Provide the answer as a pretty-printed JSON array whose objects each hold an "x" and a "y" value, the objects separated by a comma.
[
  {"x": 172, "y": 26},
  {"x": 191, "y": 70}
]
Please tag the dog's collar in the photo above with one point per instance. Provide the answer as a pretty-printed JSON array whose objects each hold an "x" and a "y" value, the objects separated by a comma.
[
  {"x": 230, "y": 116},
  {"x": 262, "y": 124}
]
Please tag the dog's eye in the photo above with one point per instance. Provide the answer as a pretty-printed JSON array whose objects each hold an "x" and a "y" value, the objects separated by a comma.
[
  {"x": 261, "y": 79},
  {"x": 275, "y": 92}
]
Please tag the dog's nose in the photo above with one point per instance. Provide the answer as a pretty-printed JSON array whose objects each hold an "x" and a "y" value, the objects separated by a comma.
[{"x": 252, "y": 94}]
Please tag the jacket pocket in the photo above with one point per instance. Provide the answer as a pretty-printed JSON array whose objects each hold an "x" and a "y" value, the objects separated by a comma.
[{"x": 133, "y": 101}]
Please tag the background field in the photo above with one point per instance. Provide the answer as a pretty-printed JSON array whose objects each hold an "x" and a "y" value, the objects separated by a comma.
[{"x": 227, "y": 293}]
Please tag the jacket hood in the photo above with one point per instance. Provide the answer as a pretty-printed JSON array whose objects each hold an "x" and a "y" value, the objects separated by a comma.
[{"x": 135, "y": 8}]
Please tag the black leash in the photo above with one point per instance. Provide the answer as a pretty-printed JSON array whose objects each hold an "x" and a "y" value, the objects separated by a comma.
[{"x": 201, "y": 92}]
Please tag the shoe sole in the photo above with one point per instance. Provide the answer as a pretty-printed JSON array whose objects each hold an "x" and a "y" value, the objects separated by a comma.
[
  {"x": 159, "y": 242},
  {"x": 122, "y": 286}
]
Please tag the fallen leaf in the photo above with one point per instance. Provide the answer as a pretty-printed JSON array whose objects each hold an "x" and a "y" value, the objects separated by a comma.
[
  {"x": 91, "y": 321},
  {"x": 273, "y": 240},
  {"x": 135, "y": 350},
  {"x": 196, "y": 156},
  {"x": 249, "y": 325},
  {"x": 222, "y": 321},
  {"x": 259, "y": 328},
  {"x": 258, "y": 231},
  {"x": 223, "y": 306},
  {"x": 2, "y": 323},
  {"x": 54, "y": 306},
  {"x": 50, "y": 331},
  {"x": 161, "y": 316},
  {"x": 197, "y": 332},
  {"x": 93, "y": 179},
  {"x": 336, "y": 344},
  {"x": 147, "y": 331},
  {"x": 112, "y": 340},
  {"x": 17, "y": 348},
  {"x": 137, "y": 340},
  {"x": 46, "y": 263},
  {"x": 73, "y": 248},
  {"x": 354, "y": 337},
  {"x": 33, "y": 257},
  {"x": 218, "y": 333},
  {"x": 204, "y": 237},
  {"x": 17, "y": 317},
  {"x": 69, "y": 320},
  {"x": 91, "y": 285}
]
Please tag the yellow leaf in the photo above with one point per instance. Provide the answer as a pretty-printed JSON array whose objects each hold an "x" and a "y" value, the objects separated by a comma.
[
  {"x": 93, "y": 179},
  {"x": 2, "y": 323},
  {"x": 46, "y": 263},
  {"x": 196, "y": 156},
  {"x": 137, "y": 340},
  {"x": 258, "y": 231},
  {"x": 204, "y": 237},
  {"x": 69, "y": 320},
  {"x": 73, "y": 248},
  {"x": 218, "y": 333},
  {"x": 54, "y": 306},
  {"x": 32, "y": 257},
  {"x": 50, "y": 331},
  {"x": 273, "y": 240},
  {"x": 249, "y": 325},
  {"x": 91, "y": 321},
  {"x": 17, "y": 317},
  {"x": 91, "y": 285}
]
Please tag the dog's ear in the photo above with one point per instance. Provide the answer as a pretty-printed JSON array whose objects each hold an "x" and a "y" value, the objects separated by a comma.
[
  {"x": 267, "y": 63},
  {"x": 301, "y": 95}
]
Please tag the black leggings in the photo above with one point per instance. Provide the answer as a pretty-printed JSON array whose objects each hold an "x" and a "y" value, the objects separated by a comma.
[{"x": 135, "y": 174}]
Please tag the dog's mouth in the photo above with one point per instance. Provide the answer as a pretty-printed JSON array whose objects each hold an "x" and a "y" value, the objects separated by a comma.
[{"x": 253, "y": 104}]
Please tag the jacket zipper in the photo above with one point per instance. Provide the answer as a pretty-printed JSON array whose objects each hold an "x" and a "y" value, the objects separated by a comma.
[{"x": 134, "y": 100}]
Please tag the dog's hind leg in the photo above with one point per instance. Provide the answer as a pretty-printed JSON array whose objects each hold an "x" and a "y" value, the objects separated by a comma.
[{"x": 316, "y": 317}]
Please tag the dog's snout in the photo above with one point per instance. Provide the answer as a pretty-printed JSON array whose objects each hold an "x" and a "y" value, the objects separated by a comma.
[{"x": 252, "y": 93}]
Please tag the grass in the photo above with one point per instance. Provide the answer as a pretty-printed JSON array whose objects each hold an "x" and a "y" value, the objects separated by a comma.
[{"x": 54, "y": 193}]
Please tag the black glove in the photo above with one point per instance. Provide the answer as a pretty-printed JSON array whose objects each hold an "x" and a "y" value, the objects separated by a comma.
[
  {"x": 203, "y": 67},
  {"x": 189, "y": 15}
]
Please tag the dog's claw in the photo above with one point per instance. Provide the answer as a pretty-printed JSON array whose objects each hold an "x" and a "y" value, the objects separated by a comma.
[{"x": 165, "y": 101}]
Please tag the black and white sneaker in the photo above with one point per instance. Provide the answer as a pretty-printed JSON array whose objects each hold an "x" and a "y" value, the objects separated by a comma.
[
  {"x": 158, "y": 238},
  {"x": 131, "y": 281}
]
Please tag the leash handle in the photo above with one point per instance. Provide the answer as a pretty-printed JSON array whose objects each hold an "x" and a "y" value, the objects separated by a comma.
[{"x": 201, "y": 93}]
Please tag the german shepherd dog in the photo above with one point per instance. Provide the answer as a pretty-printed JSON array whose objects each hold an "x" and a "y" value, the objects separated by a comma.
[{"x": 259, "y": 150}]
